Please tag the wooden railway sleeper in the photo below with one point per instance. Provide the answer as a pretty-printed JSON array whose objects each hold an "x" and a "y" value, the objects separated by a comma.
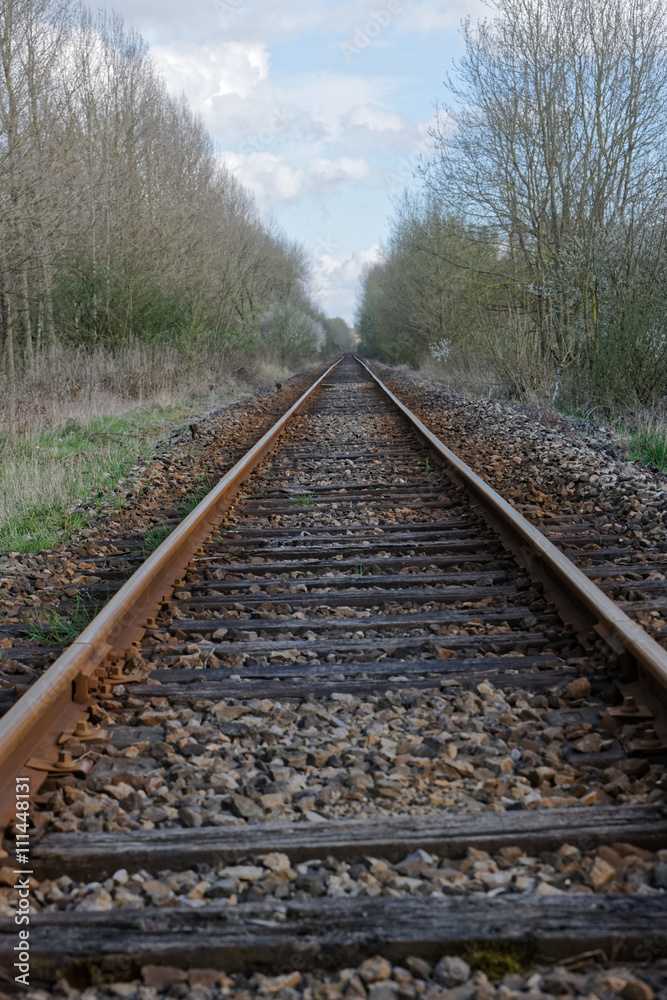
[
  {"x": 560, "y": 924},
  {"x": 55, "y": 699}
]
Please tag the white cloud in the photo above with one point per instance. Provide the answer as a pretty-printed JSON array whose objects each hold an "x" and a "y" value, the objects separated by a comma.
[
  {"x": 377, "y": 119},
  {"x": 310, "y": 135},
  {"x": 334, "y": 269},
  {"x": 242, "y": 20},
  {"x": 274, "y": 21},
  {"x": 374, "y": 130},
  {"x": 342, "y": 169},
  {"x": 321, "y": 138},
  {"x": 265, "y": 122},
  {"x": 337, "y": 278},
  {"x": 282, "y": 19},
  {"x": 231, "y": 85},
  {"x": 206, "y": 72},
  {"x": 275, "y": 179},
  {"x": 272, "y": 179},
  {"x": 431, "y": 16},
  {"x": 331, "y": 96}
]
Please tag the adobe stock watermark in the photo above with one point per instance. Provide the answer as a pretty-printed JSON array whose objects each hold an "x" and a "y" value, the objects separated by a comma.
[
  {"x": 328, "y": 245},
  {"x": 275, "y": 125},
  {"x": 404, "y": 172},
  {"x": 228, "y": 10},
  {"x": 363, "y": 34},
  {"x": 23, "y": 872}
]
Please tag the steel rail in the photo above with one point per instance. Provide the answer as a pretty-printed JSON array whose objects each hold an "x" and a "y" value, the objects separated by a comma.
[
  {"x": 62, "y": 695},
  {"x": 579, "y": 600},
  {"x": 59, "y": 698}
]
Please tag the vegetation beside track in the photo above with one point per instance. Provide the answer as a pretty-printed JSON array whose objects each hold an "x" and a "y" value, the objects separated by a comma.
[
  {"x": 57, "y": 476},
  {"x": 159, "y": 282},
  {"x": 639, "y": 434},
  {"x": 357, "y": 713},
  {"x": 130, "y": 523},
  {"x": 648, "y": 443},
  {"x": 51, "y": 482},
  {"x": 521, "y": 263}
]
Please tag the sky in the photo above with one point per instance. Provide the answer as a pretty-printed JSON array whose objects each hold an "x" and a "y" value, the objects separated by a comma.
[{"x": 320, "y": 108}]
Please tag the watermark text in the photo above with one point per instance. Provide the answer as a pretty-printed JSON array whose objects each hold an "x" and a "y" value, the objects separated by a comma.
[{"x": 22, "y": 871}]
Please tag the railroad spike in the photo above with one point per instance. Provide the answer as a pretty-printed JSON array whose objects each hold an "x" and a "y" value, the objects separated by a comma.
[{"x": 64, "y": 764}]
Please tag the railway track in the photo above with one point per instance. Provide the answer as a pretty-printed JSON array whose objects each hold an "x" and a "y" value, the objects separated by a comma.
[{"x": 354, "y": 706}]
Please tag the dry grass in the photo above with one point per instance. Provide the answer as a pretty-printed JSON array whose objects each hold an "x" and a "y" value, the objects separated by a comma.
[
  {"x": 80, "y": 385},
  {"x": 72, "y": 431},
  {"x": 464, "y": 375},
  {"x": 642, "y": 430}
]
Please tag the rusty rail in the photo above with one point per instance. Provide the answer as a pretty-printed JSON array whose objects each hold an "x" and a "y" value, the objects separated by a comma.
[
  {"x": 62, "y": 694},
  {"x": 579, "y": 600}
]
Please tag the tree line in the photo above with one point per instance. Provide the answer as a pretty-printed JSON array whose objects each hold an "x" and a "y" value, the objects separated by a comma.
[
  {"x": 118, "y": 223},
  {"x": 537, "y": 234}
]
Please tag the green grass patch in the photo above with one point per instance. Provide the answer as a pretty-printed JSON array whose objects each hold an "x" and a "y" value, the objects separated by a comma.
[
  {"x": 57, "y": 629},
  {"x": 498, "y": 960},
  {"x": 46, "y": 478},
  {"x": 649, "y": 445},
  {"x": 305, "y": 500},
  {"x": 153, "y": 538},
  {"x": 186, "y": 506}
]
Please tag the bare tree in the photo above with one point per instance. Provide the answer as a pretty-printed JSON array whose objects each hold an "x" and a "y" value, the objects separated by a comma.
[
  {"x": 118, "y": 221},
  {"x": 556, "y": 136},
  {"x": 31, "y": 34}
]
